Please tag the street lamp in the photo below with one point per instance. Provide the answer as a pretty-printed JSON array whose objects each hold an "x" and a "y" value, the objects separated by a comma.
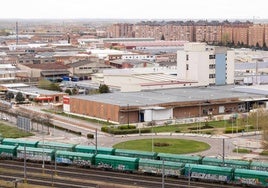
[
  {"x": 128, "y": 115},
  {"x": 152, "y": 124},
  {"x": 43, "y": 157}
]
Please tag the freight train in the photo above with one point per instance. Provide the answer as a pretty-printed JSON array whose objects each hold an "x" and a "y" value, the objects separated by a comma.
[{"x": 182, "y": 166}]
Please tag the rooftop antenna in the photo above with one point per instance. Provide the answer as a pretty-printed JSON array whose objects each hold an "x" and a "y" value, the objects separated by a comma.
[{"x": 17, "y": 34}]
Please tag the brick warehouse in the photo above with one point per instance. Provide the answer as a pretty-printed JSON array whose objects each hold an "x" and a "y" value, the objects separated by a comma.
[{"x": 161, "y": 105}]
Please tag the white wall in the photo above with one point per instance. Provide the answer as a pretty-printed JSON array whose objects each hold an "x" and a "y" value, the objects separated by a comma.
[
  {"x": 230, "y": 67},
  {"x": 157, "y": 114}
]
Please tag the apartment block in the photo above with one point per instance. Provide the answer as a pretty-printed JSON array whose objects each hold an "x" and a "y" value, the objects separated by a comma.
[
  {"x": 206, "y": 64},
  {"x": 240, "y": 34},
  {"x": 121, "y": 30},
  {"x": 256, "y": 35}
]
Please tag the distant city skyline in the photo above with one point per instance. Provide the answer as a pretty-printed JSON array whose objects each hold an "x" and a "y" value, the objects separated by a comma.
[{"x": 138, "y": 9}]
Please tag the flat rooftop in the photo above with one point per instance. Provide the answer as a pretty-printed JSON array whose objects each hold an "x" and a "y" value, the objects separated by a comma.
[{"x": 156, "y": 97}]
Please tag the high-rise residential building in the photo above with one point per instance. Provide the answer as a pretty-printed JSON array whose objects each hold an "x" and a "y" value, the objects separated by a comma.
[
  {"x": 208, "y": 65},
  {"x": 266, "y": 35},
  {"x": 240, "y": 34},
  {"x": 121, "y": 30},
  {"x": 256, "y": 35}
]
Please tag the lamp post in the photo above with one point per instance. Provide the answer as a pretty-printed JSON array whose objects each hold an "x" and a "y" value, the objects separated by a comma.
[
  {"x": 43, "y": 153},
  {"x": 128, "y": 115},
  {"x": 152, "y": 129}
]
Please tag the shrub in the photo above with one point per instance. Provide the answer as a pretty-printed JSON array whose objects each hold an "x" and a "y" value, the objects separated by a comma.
[
  {"x": 234, "y": 130},
  {"x": 123, "y": 127},
  {"x": 90, "y": 136}
]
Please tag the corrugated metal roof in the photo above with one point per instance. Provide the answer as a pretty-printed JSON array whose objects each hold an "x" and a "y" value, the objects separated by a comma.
[
  {"x": 156, "y": 97},
  {"x": 251, "y": 172},
  {"x": 193, "y": 167}
]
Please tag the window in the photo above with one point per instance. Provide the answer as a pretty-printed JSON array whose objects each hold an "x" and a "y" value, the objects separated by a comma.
[
  {"x": 212, "y": 66},
  {"x": 211, "y": 56},
  {"x": 211, "y": 75},
  {"x": 187, "y": 57},
  {"x": 187, "y": 66}
]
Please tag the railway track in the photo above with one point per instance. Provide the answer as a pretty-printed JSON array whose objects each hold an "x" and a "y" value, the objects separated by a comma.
[{"x": 73, "y": 177}]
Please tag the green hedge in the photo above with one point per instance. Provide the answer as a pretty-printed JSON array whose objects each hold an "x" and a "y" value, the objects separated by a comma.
[
  {"x": 234, "y": 130},
  {"x": 117, "y": 131},
  {"x": 90, "y": 136},
  {"x": 124, "y": 127}
]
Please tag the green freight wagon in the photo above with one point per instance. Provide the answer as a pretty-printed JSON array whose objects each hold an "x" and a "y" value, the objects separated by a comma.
[
  {"x": 56, "y": 145},
  {"x": 135, "y": 154},
  {"x": 19, "y": 142},
  {"x": 180, "y": 158},
  {"x": 209, "y": 173},
  {"x": 116, "y": 162},
  {"x": 8, "y": 152},
  {"x": 74, "y": 158},
  {"x": 251, "y": 177},
  {"x": 258, "y": 165},
  {"x": 156, "y": 167},
  {"x": 227, "y": 162},
  {"x": 92, "y": 149},
  {"x": 35, "y": 154}
]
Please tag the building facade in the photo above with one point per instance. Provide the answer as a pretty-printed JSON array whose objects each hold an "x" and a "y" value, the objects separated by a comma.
[{"x": 208, "y": 65}]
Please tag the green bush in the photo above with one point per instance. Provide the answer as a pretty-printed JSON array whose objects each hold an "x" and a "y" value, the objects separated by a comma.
[
  {"x": 90, "y": 136},
  {"x": 265, "y": 152},
  {"x": 202, "y": 127},
  {"x": 123, "y": 127},
  {"x": 117, "y": 131},
  {"x": 234, "y": 130}
]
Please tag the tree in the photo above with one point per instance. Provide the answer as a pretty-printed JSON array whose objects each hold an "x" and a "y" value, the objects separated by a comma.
[
  {"x": 104, "y": 88},
  {"x": 258, "y": 118},
  {"x": 75, "y": 91},
  {"x": 9, "y": 95},
  {"x": 19, "y": 97},
  {"x": 225, "y": 39},
  {"x": 68, "y": 91}
]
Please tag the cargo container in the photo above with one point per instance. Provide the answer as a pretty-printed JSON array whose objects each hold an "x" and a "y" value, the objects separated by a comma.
[
  {"x": 209, "y": 173},
  {"x": 19, "y": 142},
  {"x": 8, "y": 152},
  {"x": 56, "y": 146},
  {"x": 35, "y": 154},
  {"x": 227, "y": 162},
  {"x": 74, "y": 158},
  {"x": 251, "y": 177},
  {"x": 92, "y": 149},
  {"x": 258, "y": 165},
  {"x": 157, "y": 167},
  {"x": 135, "y": 154},
  {"x": 180, "y": 158},
  {"x": 116, "y": 162}
]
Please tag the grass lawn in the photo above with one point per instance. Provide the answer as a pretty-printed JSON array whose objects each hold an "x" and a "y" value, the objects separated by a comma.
[
  {"x": 175, "y": 146},
  {"x": 239, "y": 150},
  {"x": 12, "y": 132}
]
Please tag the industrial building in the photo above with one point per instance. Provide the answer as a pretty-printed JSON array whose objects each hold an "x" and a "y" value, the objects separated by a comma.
[{"x": 163, "y": 105}]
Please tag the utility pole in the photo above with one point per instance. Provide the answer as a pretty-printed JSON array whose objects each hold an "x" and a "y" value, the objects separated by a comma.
[
  {"x": 96, "y": 141},
  {"x": 163, "y": 174},
  {"x": 25, "y": 174},
  {"x": 223, "y": 151}
]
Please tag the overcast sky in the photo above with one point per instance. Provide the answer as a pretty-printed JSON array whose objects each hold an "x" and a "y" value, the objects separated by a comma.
[{"x": 136, "y": 9}]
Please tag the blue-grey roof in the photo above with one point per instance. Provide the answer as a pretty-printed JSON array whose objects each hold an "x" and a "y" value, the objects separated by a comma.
[
  {"x": 250, "y": 65},
  {"x": 156, "y": 97}
]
